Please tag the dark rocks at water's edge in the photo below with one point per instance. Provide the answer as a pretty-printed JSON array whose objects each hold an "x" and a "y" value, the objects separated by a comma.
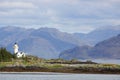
[
  {"x": 88, "y": 62},
  {"x": 61, "y": 70},
  {"x": 35, "y": 64},
  {"x": 23, "y": 69}
]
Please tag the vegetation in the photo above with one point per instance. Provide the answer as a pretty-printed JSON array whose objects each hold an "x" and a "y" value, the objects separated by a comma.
[
  {"x": 30, "y": 63},
  {"x": 5, "y": 55}
]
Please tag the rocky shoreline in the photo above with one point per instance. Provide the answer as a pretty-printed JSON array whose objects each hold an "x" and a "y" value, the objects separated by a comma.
[
  {"x": 35, "y": 64},
  {"x": 61, "y": 70}
]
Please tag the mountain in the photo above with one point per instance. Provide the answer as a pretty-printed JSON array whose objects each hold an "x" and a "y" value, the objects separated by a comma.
[
  {"x": 50, "y": 42},
  {"x": 79, "y": 52},
  {"x": 98, "y": 35},
  {"x": 109, "y": 48},
  {"x": 43, "y": 42}
]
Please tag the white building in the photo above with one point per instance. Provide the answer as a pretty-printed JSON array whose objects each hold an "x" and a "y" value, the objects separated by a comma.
[{"x": 17, "y": 52}]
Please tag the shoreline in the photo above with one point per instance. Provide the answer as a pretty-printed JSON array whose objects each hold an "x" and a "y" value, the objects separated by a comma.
[
  {"x": 62, "y": 70},
  {"x": 37, "y": 65},
  {"x": 36, "y": 73},
  {"x": 50, "y": 73}
]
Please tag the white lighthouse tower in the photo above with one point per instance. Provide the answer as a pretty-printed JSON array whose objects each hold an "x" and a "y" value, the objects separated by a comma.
[
  {"x": 17, "y": 52},
  {"x": 16, "y": 47}
]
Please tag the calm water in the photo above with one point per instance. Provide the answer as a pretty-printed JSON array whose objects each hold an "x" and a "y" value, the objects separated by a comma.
[
  {"x": 106, "y": 61},
  {"x": 47, "y": 76}
]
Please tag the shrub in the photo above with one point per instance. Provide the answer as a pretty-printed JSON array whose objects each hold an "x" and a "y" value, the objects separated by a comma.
[{"x": 5, "y": 55}]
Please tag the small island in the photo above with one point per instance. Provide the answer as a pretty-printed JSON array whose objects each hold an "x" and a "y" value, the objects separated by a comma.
[
  {"x": 35, "y": 64},
  {"x": 29, "y": 63}
]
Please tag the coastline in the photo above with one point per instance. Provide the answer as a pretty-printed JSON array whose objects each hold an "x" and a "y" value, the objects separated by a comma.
[
  {"x": 49, "y": 73},
  {"x": 35, "y": 73},
  {"x": 68, "y": 70},
  {"x": 36, "y": 65}
]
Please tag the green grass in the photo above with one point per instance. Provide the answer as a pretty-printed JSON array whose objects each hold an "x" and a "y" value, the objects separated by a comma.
[{"x": 34, "y": 61}]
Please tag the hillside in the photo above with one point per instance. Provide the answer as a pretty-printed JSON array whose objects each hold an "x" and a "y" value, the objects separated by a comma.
[
  {"x": 80, "y": 52},
  {"x": 50, "y": 42},
  {"x": 98, "y": 35},
  {"x": 109, "y": 49},
  {"x": 43, "y": 42}
]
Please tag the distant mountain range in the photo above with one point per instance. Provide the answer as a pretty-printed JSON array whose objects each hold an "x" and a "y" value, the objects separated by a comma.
[
  {"x": 50, "y": 42},
  {"x": 79, "y": 52},
  {"x": 109, "y": 49},
  {"x": 98, "y": 35},
  {"x": 43, "y": 42}
]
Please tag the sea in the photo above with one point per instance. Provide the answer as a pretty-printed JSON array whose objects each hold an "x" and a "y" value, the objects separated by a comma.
[
  {"x": 103, "y": 61},
  {"x": 57, "y": 76}
]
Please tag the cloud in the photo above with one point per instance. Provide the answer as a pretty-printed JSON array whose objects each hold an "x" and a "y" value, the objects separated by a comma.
[
  {"x": 66, "y": 15},
  {"x": 16, "y": 5}
]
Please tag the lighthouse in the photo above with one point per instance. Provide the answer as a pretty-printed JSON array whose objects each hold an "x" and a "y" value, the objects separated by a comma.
[
  {"x": 17, "y": 52},
  {"x": 16, "y": 47}
]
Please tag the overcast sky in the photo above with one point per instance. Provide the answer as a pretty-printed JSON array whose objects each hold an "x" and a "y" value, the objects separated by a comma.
[{"x": 66, "y": 15}]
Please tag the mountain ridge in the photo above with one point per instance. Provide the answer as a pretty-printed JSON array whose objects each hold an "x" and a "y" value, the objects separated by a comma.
[
  {"x": 98, "y": 35},
  {"x": 109, "y": 49},
  {"x": 43, "y": 42},
  {"x": 46, "y": 42}
]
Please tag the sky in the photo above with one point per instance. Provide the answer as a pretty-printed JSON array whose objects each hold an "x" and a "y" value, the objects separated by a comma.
[{"x": 65, "y": 15}]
